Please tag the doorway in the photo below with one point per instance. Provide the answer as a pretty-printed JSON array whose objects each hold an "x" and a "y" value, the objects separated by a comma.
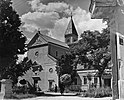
[
  {"x": 51, "y": 84},
  {"x": 107, "y": 82}
]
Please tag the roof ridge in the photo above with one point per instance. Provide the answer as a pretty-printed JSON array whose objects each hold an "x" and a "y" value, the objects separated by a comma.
[{"x": 52, "y": 40}]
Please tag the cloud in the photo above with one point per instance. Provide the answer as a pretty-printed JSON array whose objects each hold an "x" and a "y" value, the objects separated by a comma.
[
  {"x": 84, "y": 22},
  {"x": 49, "y": 19},
  {"x": 59, "y": 29},
  {"x": 30, "y": 27},
  {"x": 40, "y": 20},
  {"x": 36, "y": 5}
]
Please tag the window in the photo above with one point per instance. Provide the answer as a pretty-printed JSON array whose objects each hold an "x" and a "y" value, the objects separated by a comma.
[
  {"x": 85, "y": 80},
  {"x": 95, "y": 80},
  {"x": 121, "y": 40},
  {"x": 36, "y": 53},
  {"x": 56, "y": 53},
  {"x": 74, "y": 39},
  {"x": 75, "y": 81},
  {"x": 50, "y": 70}
]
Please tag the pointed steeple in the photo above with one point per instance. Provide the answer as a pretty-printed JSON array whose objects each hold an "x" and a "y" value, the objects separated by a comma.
[{"x": 71, "y": 34}]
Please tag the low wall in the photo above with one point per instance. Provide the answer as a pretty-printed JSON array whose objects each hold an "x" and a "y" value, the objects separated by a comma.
[
  {"x": 6, "y": 88},
  {"x": 1, "y": 96}
]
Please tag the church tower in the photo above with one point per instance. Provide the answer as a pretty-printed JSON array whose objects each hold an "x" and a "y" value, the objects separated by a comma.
[{"x": 71, "y": 34}]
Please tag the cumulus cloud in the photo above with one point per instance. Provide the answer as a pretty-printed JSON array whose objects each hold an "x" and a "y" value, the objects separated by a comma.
[
  {"x": 36, "y": 5},
  {"x": 84, "y": 22},
  {"x": 48, "y": 18},
  {"x": 30, "y": 27},
  {"x": 40, "y": 20},
  {"x": 59, "y": 29}
]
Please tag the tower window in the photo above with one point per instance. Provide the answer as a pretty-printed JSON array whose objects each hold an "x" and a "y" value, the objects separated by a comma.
[
  {"x": 68, "y": 40},
  {"x": 74, "y": 40}
]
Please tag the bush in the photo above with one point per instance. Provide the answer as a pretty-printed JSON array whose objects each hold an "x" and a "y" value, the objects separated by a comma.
[
  {"x": 90, "y": 92},
  {"x": 98, "y": 92},
  {"x": 75, "y": 88},
  {"x": 20, "y": 89}
]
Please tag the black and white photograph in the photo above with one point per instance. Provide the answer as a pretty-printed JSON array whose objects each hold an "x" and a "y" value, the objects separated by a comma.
[{"x": 61, "y": 49}]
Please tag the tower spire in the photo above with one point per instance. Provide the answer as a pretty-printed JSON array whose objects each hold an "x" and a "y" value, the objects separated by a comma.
[{"x": 71, "y": 34}]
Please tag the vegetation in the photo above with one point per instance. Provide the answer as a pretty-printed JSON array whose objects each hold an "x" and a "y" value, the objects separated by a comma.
[
  {"x": 65, "y": 69},
  {"x": 12, "y": 41},
  {"x": 93, "y": 51},
  {"x": 19, "y": 69},
  {"x": 98, "y": 92}
]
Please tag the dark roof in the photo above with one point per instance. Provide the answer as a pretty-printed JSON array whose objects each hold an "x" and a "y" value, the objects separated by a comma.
[
  {"x": 71, "y": 29},
  {"x": 47, "y": 39},
  {"x": 52, "y": 40}
]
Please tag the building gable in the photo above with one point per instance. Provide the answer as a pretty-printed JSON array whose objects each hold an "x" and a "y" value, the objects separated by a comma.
[
  {"x": 36, "y": 41},
  {"x": 52, "y": 40},
  {"x": 39, "y": 41},
  {"x": 56, "y": 48}
]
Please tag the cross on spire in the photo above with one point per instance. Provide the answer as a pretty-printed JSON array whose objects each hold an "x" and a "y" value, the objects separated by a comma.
[
  {"x": 71, "y": 10},
  {"x": 71, "y": 34}
]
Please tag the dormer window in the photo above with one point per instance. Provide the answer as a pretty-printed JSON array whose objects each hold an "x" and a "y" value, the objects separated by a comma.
[
  {"x": 68, "y": 40},
  {"x": 74, "y": 39}
]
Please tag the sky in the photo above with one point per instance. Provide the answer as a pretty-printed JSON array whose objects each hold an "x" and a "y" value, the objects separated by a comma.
[{"x": 51, "y": 17}]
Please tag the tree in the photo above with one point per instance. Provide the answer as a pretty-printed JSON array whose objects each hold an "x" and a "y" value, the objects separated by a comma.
[
  {"x": 16, "y": 70},
  {"x": 65, "y": 68},
  {"x": 12, "y": 41},
  {"x": 89, "y": 79},
  {"x": 93, "y": 50}
]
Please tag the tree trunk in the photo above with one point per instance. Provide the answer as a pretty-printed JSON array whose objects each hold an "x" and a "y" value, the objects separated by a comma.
[{"x": 100, "y": 81}]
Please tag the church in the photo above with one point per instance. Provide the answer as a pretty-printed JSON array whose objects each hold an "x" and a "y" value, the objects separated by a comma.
[{"x": 44, "y": 51}]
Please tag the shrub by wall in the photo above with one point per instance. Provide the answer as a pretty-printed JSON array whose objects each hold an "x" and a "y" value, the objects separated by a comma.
[{"x": 98, "y": 92}]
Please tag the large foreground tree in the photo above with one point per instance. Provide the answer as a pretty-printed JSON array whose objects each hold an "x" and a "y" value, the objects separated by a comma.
[
  {"x": 12, "y": 41},
  {"x": 93, "y": 51},
  {"x": 19, "y": 69}
]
